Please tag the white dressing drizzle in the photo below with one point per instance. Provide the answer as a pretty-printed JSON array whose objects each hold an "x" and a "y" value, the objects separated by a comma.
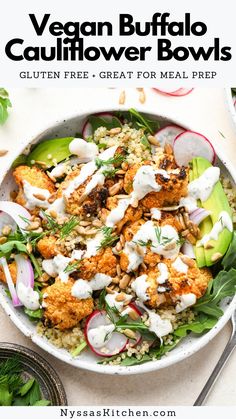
[
  {"x": 81, "y": 289},
  {"x": 117, "y": 213},
  {"x": 112, "y": 302},
  {"x": 140, "y": 286},
  {"x": 155, "y": 213},
  {"x": 161, "y": 327},
  {"x": 56, "y": 266},
  {"x": 83, "y": 149},
  {"x": 185, "y": 301},
  {"x": 31, "y": 200},
  {"x": 202, "y": 187},
  {"x": 224, "y": 221},
  {"x": 148, "y": 233},
  {"x": 100, "y": 335},
  {"x": 28, "y": 297},
  {"x": 164, "y": 273},
  {"x": 180, "y": 266},
  {"x": 145, "y": 182},
  {"x": 88, "y": 170}
]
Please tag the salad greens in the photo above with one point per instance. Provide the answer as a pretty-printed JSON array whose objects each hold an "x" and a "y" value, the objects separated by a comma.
[
  {"x": 4, "y": 105},
  {"x": 14, "y": 391},
  {"x": 97, "y": 121}
]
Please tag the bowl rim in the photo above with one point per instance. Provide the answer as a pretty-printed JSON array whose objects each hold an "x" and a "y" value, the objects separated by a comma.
[{"x": 171, "y": 357}]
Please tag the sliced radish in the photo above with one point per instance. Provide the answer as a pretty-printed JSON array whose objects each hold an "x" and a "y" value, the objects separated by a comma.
[
  {"x": 182, "y": 91},
  {"x": 101, "y": 337},
  {"x": 198, "y": 215},
  {"x": 87, "y": 130},
  {"x": 15, "y": 300},
  {"x": 191, "y": 144},
  {"x": 168, "y": 134}
]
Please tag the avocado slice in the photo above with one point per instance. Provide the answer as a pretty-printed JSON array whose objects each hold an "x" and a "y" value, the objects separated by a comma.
[
  {"x": 216, "y": 203},
  {"x": 50, "y": 150}
]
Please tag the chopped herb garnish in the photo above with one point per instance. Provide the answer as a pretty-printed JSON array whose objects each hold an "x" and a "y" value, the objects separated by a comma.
[
  {"x": 109, "y": 237},
  {"x": 117, "y": 159},
  {"x": 109, "y": 172},
  {"x": 72, "y": 267},
  {"x": 67, "y": 228}
]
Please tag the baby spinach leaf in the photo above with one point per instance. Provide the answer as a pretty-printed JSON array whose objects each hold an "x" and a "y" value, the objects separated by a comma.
[
  {"x": 5, "y": 395},
  {"x": 34, "y": 314},
  {"x": 229, "y": 260},
  {"x": 42, "y": 402},
  {"x": 199, "y": 325},
  {"x": 102, "y": 121}
]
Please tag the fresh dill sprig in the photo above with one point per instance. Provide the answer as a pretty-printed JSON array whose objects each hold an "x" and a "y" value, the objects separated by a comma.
[
  {"x": 109, "y": 238},
  {"x": 109, "y": 172},
  {"x": 67, "y": 228},
  {"x": 72, "y": 267},
  {"x": 143, "y": 243},
  {"x": 52, "y": 224},
  {"x": 117, "y": 159}
]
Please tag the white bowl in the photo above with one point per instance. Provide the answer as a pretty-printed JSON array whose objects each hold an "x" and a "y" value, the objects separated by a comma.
[{"x": 87, "y": 360}]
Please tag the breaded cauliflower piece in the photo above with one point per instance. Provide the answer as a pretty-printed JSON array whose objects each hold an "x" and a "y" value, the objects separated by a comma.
[
  {"x": 131, "y": 214},
  {"x": 151, "y": 259},
  {"x": 47, "y": 247},
  {"x": 195, "y": 281},
  {"x": 79, "y": 204},
  {"x": 13, "y": 272},
  {"x": 104, "y": 262},
  {"x": 34, "y": 176},
  {"x": 172, "y": 189},
  {"x": 61, "y": 309}
]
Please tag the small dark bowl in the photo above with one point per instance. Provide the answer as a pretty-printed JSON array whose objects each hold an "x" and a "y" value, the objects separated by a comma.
[{"x": 37, "y": 367}]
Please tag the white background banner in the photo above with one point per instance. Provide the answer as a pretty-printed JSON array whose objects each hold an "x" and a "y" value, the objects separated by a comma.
[
  {"x": 115, "y": 412},
  {"x": 219, "y": 18}
]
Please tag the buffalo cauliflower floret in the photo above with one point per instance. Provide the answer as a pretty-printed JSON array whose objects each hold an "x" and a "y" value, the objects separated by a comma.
[
  {"x": 104, "y": 262},
  {"x": 131, "y": 214},
  {"x": 194, "y": 281},
  {"x": 80, "y": 204},
  {"x": 61, "y": 309},
  {"x": 35, "y": 177},
  {"x": 13, "y": 272},
  {"x": 47, "y": 247},
  {"x": 172, "y": 189}
]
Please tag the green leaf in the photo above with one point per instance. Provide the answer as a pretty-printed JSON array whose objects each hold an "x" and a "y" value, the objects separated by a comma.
[
  {"x": 79, "y": 349},
  {"x": 223, "y": 285},
  {"x": 145, "y": 142},
  {"x": 140, "y": 121},
  {"x": 56, "y": 148},
  {"x": 42, "y": 402},
  {"x": 229, "y": 260},
  {"x": 26, "y": 387},
  {"x": 199, "y": 325},
  {"x": 5, "y": 396},
  {"x": 4, "y": 105},
  {"x": 34, "y": 314},
  {"x": 7, "y": 248},
  {"x": 98, "y": 121}
]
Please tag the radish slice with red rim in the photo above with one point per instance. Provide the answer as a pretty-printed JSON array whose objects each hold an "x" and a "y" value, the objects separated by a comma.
[
  {"x": 101, "y": 337},
  {"x": 25, "y": 272},
  {"x": 182, "y": 91},
  {"x": 191, "y": 144},
  {"x": 87, "y": 129},
  {"x": 168, "y": 134}
]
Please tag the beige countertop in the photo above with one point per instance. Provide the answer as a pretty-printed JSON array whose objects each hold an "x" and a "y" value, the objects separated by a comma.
[{"x": 204, "y": 110}]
